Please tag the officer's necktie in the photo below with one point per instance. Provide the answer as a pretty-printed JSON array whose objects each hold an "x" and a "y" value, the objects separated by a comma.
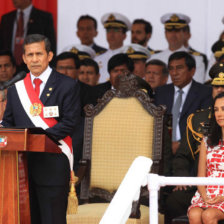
[
  {"x": 176, "y": 114},
  {"x": 37, "y": 83},
  {"x": 18, "y": 47}
]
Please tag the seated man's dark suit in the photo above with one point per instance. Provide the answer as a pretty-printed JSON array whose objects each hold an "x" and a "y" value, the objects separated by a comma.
[
  {"x": 199, "y": 97},
  {"x": 88, "y": 95},
  {"x": 50, "y": 173},
  {"x": 40, "y": 22}
]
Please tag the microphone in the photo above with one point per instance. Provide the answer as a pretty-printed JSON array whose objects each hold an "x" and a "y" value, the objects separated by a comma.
[{"x": 19, "y": 76}]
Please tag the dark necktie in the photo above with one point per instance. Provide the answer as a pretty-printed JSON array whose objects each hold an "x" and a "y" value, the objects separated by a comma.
[
  {"x": 18, "y": 47},
  {"x": 37, "y": 83},
  {"x": 176, "y": 114}
]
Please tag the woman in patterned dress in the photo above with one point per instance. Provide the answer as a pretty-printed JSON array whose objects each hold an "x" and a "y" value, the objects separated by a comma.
[{"x": 208, "y": 202}]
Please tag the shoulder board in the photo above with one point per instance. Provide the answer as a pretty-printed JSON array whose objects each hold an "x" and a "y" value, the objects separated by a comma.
[
  {"x": 195, "y": 53},
  {"x": 200, "y": 110},
  {"x": 155, "y": 52},
  {"x": 203, "y": 113},
  {"x": 100, "y": 52}
]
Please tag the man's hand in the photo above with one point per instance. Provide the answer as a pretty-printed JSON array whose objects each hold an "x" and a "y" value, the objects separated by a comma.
[{"x": 175, "y": 146}]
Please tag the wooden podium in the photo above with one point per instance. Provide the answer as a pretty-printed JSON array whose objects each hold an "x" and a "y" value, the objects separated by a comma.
[{"x": 14, "y": 188}]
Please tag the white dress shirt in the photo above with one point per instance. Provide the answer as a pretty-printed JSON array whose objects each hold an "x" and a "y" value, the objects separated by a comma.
[{"x": 44, "y": 77}]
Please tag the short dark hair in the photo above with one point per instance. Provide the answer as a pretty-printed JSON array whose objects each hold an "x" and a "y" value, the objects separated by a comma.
[
  {"x": 36, "y": 38},
  {"x": 120, "y": 59},
  {"x": 189, "y": 60},
  {"x": 83, "y": 17},
  {"x": 8, "y": 53},
  {"x": 215, "y": 131},
  {"x": 90, "y": 62},
  {"x": 148, "y": 26},
  {"x": 165, "y": 70},
  {"x": 67, "y": 55}
]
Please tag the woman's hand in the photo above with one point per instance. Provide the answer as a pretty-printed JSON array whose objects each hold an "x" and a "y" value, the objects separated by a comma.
[
  {"x": 206, "y": 199},
  {"x": 214, "y": 200}
]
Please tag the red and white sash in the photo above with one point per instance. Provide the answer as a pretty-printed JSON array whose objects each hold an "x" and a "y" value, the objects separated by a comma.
[{"x": 28, "y": 98}]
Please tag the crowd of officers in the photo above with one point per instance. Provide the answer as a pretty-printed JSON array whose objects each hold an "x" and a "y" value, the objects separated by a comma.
[{"x": 177, "y": 68}]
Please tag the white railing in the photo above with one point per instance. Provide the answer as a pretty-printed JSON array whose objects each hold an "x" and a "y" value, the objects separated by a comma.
[
  {"x": 119, "y": 209},
  {"x": 155, "y": 182}
]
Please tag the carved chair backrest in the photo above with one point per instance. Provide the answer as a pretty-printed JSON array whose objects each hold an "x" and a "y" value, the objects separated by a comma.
[{"x": 124, "y": 125}]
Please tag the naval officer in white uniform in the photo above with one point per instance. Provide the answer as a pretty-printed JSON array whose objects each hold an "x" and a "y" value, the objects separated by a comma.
[
  {"x": 174, "y": 33},
  {"x": 116, "y": 26}
]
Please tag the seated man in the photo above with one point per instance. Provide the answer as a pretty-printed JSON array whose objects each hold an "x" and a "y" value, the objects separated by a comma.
[
  {"x": 185, "y": 161},
  {"x": 156, "y": 73},
  {"x": 139, "y": 55},
  {"x": 7, "y": 71},
  {"x": 119, "y": 64},
  {"x": 184, "y": 96},
  {"x": 89, "y": 72},
  {"x": 68, "y": 64}
]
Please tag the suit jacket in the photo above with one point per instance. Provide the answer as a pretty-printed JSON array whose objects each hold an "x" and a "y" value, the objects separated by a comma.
[
  {"x": 48, "y": 168},
  {"x": 199, "y": 97},
  {"x": 88, "y": 95},
  {"x": 98, "y": 49},
  {"x": 39, "y": 22}
]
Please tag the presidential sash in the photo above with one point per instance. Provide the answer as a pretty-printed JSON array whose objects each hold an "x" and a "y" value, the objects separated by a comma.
[{"x": 34, "y": 110}]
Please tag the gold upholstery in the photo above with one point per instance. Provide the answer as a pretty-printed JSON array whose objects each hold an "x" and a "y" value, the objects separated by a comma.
[
  {"x": 92, "y": 213},
  {"x": 123, "y": 125},
  {"x": 122, "y": 131}
]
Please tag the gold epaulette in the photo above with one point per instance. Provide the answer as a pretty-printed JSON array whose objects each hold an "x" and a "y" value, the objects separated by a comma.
[
  {"x": 195, "y": 53},
  {"x": 197, "y": 136},
  {"x": 100, "y": 52},
  {"x": 154, "y": 51}
]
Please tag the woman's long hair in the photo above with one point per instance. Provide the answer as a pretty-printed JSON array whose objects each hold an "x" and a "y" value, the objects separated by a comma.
[{"x": 215, "y": 131}]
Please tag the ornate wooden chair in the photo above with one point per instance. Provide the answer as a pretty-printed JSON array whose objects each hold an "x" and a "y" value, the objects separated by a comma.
[{"x": 123, "y": 125}]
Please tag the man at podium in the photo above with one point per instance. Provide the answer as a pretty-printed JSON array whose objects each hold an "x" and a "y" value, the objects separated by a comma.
[{"x": 50, "y": 100}]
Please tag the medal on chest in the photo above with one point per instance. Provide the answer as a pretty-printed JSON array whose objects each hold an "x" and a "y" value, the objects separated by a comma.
[{"x": 35, "y": 109}]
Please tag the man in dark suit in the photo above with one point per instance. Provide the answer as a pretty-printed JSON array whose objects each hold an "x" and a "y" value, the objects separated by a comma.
[
  {"x": 86, "y": 31},
  {"x": 185, "y": 162},
  {"x": 34, "y": 21},
  {"x": 48, "y": 173},
  {"x": 194, "y": 95}
]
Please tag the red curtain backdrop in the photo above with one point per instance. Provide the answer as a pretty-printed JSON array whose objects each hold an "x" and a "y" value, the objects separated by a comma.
[{"x": 46, "y": 5}]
